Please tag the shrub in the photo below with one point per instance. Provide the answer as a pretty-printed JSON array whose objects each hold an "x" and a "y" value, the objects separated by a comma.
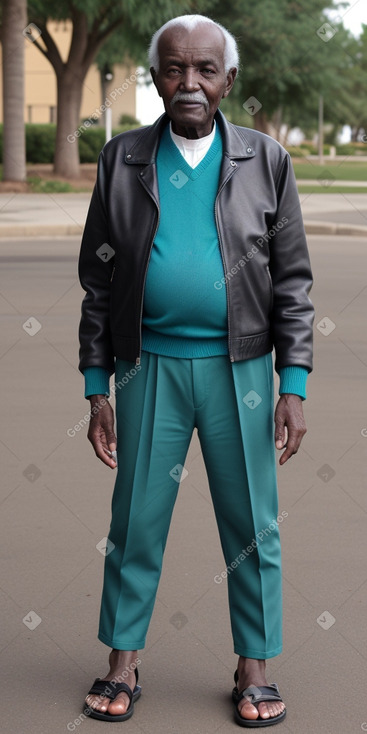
[
  {"x": 40, "y": 142},
  {"x": 128, "y": 120}
]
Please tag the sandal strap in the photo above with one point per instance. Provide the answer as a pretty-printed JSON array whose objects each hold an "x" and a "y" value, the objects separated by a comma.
[
  {"x": 110, "y": 689},
  {"x": 261, "y": 693}
]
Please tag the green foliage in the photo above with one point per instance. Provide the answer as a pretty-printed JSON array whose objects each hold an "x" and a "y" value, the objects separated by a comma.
[
  {"x": 128, "y": 120},
  {"x": 306, "y": 149},
  {"x": 285, "y": 63},
  {"x": 39, "y": 186},
  {"x": 40, "y": 142},
  {"x": 357, "y": 149}
]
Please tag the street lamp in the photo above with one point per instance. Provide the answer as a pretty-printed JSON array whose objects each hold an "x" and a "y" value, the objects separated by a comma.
[{"x": 107, "y": 76}]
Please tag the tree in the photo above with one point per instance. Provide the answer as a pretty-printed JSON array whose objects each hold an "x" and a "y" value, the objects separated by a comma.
[
  {"x": 348, "y": 107},
  {"x": 287, "y": 58},
  {"x": 14, "y": 21},
  {"x": 93, "y": 23}
]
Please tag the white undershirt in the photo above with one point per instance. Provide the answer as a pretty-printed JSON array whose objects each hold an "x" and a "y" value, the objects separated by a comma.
[{"x": 195, "y": 150}]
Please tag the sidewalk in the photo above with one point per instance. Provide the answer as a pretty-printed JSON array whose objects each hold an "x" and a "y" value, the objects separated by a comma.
[{"x": 31, "y": 215}]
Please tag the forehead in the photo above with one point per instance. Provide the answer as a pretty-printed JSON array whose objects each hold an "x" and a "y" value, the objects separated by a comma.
[{"x": 204, "y": 41}]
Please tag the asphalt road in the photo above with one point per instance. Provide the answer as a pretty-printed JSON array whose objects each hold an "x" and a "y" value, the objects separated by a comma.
[{"x": 55, "y": 509}]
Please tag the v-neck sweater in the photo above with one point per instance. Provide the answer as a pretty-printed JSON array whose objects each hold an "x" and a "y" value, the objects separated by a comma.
[{"x": 184, "y": 315}]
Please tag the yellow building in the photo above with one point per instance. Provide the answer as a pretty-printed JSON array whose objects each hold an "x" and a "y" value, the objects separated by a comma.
[{"x": 40, "y": 84}]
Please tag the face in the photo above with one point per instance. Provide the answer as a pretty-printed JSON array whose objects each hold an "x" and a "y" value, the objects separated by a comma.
[{"x": 191, "y": 79}]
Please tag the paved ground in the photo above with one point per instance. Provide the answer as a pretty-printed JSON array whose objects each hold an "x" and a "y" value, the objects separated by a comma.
[
  {"x": 55, "y": 509},
  {"x": 29, "y": 215}
]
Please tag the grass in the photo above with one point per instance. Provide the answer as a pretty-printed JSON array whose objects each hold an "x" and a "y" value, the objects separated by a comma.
[
  {"x": 321, "y": 179},
  {"x": 40, "y": 186},
  {"x": 318, "y": 189},
  {"x": 339, "y": 170}
]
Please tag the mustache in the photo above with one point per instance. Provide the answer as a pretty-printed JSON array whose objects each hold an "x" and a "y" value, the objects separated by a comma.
[{"x": 198, "y": 97}]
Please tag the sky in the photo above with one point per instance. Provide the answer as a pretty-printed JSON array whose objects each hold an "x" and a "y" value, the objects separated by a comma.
[{"x": 149, "y": 106}]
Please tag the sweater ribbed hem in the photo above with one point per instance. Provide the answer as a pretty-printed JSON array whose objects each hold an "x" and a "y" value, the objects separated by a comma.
[
  {"x": 183, "y": 347},
  {"x": 293, "y": 380},
  {"x": 97, "y": 381}
]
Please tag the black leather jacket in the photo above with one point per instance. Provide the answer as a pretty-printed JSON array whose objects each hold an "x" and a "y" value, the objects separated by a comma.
[{"x": 267, "y": 272}]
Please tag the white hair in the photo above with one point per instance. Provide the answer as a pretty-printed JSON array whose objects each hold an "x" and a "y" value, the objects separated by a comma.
[{"x": 231, "y": 56}]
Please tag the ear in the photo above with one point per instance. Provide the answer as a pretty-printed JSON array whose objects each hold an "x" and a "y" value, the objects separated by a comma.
[
  {"x": 231, "y": 76},
  {"x": 153, "y": 74}
]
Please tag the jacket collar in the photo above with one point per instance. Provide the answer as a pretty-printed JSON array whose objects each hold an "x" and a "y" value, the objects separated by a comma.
[{"x": 144, "y": 149}]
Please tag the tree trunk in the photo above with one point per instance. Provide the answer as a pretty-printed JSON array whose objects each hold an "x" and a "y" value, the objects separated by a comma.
[
  {"x": 14, "y": 21},
  {"x": 69, "y": 97},
  {"x": 262, "y": 123}
]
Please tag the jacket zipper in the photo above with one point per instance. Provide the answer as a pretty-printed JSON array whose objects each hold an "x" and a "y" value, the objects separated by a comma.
[{"x": 231, "y": 357}]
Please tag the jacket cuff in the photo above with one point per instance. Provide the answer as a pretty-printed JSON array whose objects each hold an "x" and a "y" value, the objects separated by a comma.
[
  {"x": 293, "y": 380},
  {"x": 97, "y": 381}
]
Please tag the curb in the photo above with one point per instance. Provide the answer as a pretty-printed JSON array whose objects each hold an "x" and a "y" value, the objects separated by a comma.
[
  {"x": 316, "y": 227},
  {"x": 69, "y": 230},
  {"x": 37, "y": 230}
]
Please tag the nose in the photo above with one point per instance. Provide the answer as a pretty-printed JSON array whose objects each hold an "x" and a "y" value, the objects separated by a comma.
[{"x": 190, "y": 80}]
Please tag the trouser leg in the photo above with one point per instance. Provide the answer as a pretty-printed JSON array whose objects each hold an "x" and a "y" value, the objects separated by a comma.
[
  {"x": 238, "y": 449},
  {"x": 154, "y": 427}
]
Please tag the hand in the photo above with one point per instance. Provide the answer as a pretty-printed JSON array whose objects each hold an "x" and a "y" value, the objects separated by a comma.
[
  {"x": 290, "y": 426},
  {"x": 101, "y": 429}
]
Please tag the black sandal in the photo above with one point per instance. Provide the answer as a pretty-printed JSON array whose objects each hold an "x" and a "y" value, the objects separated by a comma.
[
  {"x": 110, "y": 689},
  {"x": 256, "y": 694}
]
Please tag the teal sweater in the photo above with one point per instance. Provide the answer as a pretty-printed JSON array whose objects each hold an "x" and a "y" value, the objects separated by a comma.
[{"x": 184, "y": 315}]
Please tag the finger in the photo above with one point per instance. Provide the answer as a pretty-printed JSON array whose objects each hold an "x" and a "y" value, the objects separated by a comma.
[
  {"x": 291, "y": 449},
  {"x": 102, "y": 451},
  {"x": 111, "y": 453},
  {"x": 285, "y": 456},
  {"x": 281, "y": 434}
]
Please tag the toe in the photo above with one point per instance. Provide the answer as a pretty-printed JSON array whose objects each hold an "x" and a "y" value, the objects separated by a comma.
[
  {"x": 119, "y": 705},
  {"x": 247, "y": 710},
  {"x": 270, "y": 710},
  {"x": 97, "y": 703},
  {"x": 264, "y": 710}
]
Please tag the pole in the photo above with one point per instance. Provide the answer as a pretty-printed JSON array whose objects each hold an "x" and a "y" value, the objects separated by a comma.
[{"x": 108, "y": 115}]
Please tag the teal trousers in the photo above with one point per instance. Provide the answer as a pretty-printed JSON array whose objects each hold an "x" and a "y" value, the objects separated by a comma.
[{"x": 157, "y": 409}]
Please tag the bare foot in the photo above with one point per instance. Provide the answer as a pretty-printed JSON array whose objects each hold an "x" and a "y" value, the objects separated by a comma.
[
  {"x": 252, "y": 672},
  {"x": 120, "y": 670}
]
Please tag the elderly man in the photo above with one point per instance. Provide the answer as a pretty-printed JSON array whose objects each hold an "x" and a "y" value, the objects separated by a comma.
[{"x": 195, "y": 266}]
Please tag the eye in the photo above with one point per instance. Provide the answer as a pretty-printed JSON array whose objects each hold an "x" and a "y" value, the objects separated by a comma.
[
  {"x": 173, "y": 71},
  {"x": 208, "y": 71}
]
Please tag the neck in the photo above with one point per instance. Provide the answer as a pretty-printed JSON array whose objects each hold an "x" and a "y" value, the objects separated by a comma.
[{"x": 192, "y": 133}]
